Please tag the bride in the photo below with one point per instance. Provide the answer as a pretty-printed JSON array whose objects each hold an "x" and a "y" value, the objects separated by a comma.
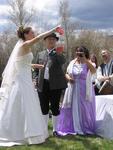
[{"x": 21, "y": 120}]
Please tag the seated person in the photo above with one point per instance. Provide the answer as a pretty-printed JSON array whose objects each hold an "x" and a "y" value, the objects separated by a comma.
[{"x": 105, "y": 75}]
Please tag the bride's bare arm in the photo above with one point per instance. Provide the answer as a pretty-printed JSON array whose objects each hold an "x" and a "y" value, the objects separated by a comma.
[{"x": 29, "y": 43}]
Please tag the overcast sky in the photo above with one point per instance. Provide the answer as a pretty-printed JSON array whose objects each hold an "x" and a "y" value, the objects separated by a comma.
[{"x": 96, "y": 14}]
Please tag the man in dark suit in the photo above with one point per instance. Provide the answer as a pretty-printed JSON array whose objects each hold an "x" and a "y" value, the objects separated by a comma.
[{"x": 51, "y": 79}]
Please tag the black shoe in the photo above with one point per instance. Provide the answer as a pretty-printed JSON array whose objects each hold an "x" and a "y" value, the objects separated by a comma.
[{"x": 55, "y": 133}]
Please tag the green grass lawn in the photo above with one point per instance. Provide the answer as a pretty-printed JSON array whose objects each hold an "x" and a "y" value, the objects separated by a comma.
[{"x": 68, "y": 143}]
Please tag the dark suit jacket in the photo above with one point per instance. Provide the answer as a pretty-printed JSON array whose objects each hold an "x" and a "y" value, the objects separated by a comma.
[{"x": 56, "y": 75}]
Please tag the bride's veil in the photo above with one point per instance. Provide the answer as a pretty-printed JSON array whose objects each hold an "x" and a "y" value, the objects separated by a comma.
[{"x": 9, "y": 72}]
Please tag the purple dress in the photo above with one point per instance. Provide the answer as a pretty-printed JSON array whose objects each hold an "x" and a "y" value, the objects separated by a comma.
[{"x": 80, "y": 117}]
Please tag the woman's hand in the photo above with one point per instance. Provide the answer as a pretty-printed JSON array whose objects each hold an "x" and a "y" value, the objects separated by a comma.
[{"x": 69, "y": 78}]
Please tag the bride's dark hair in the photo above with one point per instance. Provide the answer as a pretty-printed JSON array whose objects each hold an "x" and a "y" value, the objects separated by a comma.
[{"x": 21, "y": 31}]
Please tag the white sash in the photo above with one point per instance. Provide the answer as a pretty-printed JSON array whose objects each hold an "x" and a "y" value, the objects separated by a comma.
[{"x": 67, "y": 101}]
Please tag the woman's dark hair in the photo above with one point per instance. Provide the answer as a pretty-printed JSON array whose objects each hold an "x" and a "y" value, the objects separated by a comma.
[
  {"x": 93, "y": 56},
  {"x": 22, "y": 31},
  {"x": 83, "y": 49}
]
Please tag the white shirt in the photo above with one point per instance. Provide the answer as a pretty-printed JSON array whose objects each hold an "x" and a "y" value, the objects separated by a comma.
[{"x": 46, "y": 73}]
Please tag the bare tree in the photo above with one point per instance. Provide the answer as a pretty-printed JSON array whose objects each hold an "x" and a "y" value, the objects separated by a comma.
[
  {"x": 7, "y": 42},
  {"x": 64, "y": 14},
  {"x": 18, "y": 13},
  {"x": 68, "y": 25}
]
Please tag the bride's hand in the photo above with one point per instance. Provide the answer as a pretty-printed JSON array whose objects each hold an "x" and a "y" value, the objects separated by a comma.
[
  {"x": 60, "y": 30},
  {"x": 38, "y": 66}
]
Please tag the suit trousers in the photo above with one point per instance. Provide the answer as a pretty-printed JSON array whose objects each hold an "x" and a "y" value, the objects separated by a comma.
[{"x": 50, "y": 99}]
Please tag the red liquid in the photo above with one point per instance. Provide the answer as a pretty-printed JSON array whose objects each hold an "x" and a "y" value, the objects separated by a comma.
[{"x": 60, "y": 49}]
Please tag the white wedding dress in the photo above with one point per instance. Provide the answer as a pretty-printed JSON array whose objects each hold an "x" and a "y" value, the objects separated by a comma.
[{"x": 21, "y": 119}]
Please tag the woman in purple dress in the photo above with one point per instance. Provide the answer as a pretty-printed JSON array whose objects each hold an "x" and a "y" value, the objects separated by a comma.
[{"x": 78, "y": 107}]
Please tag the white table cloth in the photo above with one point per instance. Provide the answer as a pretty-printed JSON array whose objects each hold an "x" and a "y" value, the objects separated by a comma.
[{"x": 104, "y": 116}]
